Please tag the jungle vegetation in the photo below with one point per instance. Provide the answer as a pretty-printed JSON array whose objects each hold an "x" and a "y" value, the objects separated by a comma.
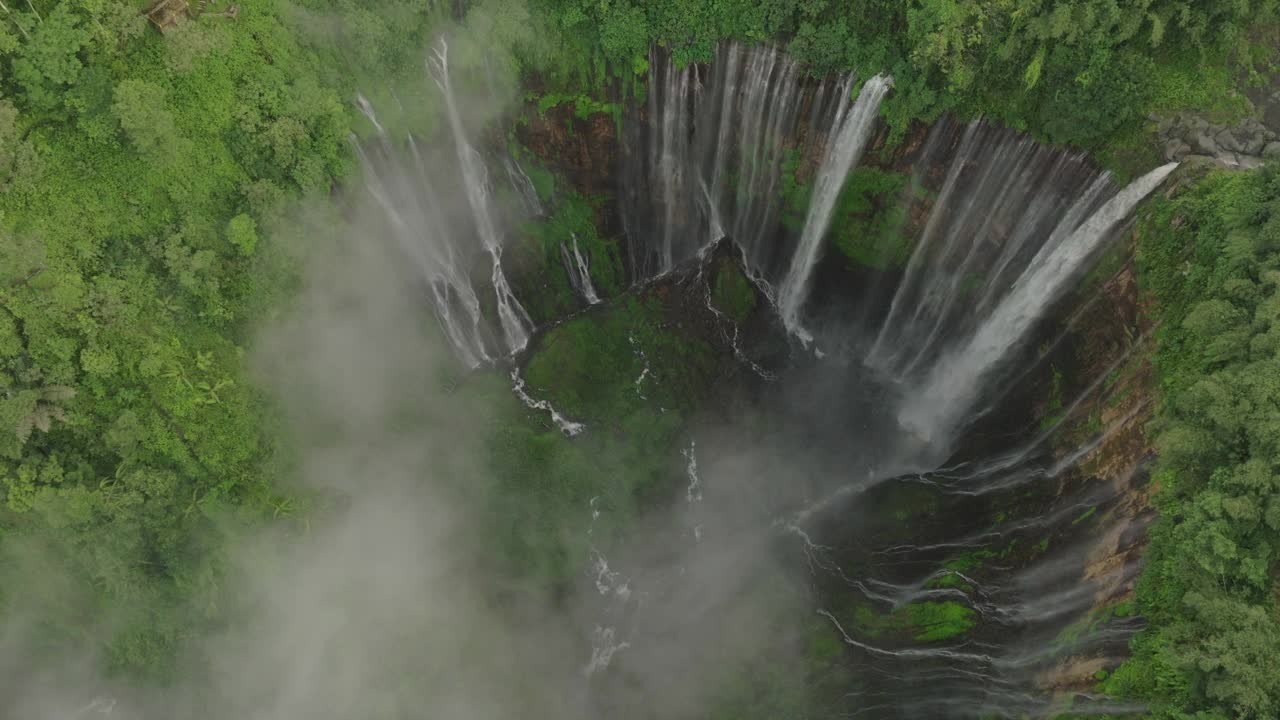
[
  {"x": 1211, "y": 260},
  {"x": 145, "y": 179}
]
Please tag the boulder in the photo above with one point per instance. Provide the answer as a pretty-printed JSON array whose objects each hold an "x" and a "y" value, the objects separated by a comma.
[
  {"x": 1226, "y": 140},
  {"x": 1272, "y": 150},
  {"x": 1271, "y": 111},
  {"x": 1252, "y": 142},
  {"x": 1226, "y": 159},
  {"x": 1176, "y": 149},
  {"x": 1248, "y": 163},
  {"x": 1198, "y": 161},
  {"x": 1203, "y": 143}
]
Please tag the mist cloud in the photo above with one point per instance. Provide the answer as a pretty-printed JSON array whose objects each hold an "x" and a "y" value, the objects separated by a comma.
[{"x": 379, "y": 592}]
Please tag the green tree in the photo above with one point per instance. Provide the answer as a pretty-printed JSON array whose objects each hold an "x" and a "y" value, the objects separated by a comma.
[
  {"x": 48, "y": 63},
  {"x": 140, "y": 109},
  {"x": 242, "y": 232}
]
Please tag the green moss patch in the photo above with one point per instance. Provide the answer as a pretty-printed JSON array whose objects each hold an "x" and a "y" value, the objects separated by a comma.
[
  {"x": 732, "y": 293},
  {"x": 604, "y": 366},
  {"x": 921, "y": 621}
]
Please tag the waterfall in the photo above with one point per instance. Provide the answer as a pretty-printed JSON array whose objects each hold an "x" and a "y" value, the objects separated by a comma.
[
  {"x": 523, "y": 186},
  {"x": 955, "y": 378},
  {"x": 853, "y": 128},
  {"x": 475, "y": 176},
  {"x": 1010, "y": 227},
  {"x": 706, "y": 162},
  {"x": 1003, "y": 198},
  {"x": 714, "y": 143},
  {"x": 438, "y": 243},
  {"x": 669, "y": 152},
  {"x": 575, "y": 266},
  {"x": 768, "y": 108},
  {"x": 1011, "y": 224},
  {"x": 405, "y": 194}
]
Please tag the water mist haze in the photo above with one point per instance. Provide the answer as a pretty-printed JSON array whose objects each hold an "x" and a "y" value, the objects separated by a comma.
[
  {"x": 386, "y": 597},
  {"x": 380, "y": 604},
  {"x": 386, "y": 601},
  {"x": 393, "y": 602}
]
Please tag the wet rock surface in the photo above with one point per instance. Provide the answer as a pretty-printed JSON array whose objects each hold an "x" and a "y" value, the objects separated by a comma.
[
  {"x": 1011, "y": 561},
  {"x": 1242, "y": 145},
  {"x": 582, "y": 149}
]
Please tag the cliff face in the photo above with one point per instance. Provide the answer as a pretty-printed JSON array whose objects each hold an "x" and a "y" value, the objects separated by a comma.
[
  {"x": 583, "y": 150},
  {"x": 1061, "y": 534},
  {"x": 1104, "y": 364}
]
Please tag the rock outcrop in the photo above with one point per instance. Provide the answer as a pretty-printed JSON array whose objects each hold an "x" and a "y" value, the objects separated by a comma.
[{"x": 1242, "y": 145}]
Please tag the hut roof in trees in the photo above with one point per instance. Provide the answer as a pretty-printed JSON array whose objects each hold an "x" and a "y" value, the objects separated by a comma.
[{"x": 168, "y": 14}]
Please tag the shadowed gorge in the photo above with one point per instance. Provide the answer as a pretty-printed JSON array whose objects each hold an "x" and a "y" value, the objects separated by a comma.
[
  {"x": 835, "y": 424},
  {"x": 676, "y": 360}
]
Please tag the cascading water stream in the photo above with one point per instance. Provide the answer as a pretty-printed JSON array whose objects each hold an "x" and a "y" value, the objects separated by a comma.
[
  {"x": 1003, "y": 197},
  {"x": 475, "y": 176},
  {"x": 1011, "y": 226},
  {"x": 669, "y": 150},
  {"x": 715, "y": 141},
  {"x": 936, "y": 404},
  {"x": 523, "y": 186},
  {"x": 579, "y": 272},
  {"x": 853, "y": 128},
  {"x": 956, "y": 378},
  {"x": 435, "y": 240},
  {"x": 405, "y": 194},
  {"x": 567, "y": 426}
]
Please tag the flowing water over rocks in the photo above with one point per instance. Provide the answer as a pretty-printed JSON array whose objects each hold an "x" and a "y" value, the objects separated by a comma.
[
  {"x": 705, "y": 159},
  {"x": 475, "y": 177},
  {"x": 907, "y": 506}
]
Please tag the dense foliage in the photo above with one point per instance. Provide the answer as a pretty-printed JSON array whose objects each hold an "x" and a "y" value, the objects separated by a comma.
[
  {"x": 140, "y": 174},
  {"x": 1085, "y": 72},
  {"x": 1211, "y": 259}
]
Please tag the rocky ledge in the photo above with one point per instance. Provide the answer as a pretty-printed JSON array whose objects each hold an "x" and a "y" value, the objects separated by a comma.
[{"x": 1243, "y": 145}]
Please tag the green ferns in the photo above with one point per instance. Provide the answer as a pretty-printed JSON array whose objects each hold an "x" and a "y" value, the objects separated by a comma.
[
  {"x": 634, "y": 381},
  {"x": 590, "y": 367},
  {"x": 869, "y": 219}
]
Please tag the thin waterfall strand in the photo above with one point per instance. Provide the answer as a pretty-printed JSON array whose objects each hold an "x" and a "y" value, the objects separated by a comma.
[
  {"x": 410, "y": 206},
  {"x": 475, "y": 176},
  {"x": 854, "y": 125}
]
